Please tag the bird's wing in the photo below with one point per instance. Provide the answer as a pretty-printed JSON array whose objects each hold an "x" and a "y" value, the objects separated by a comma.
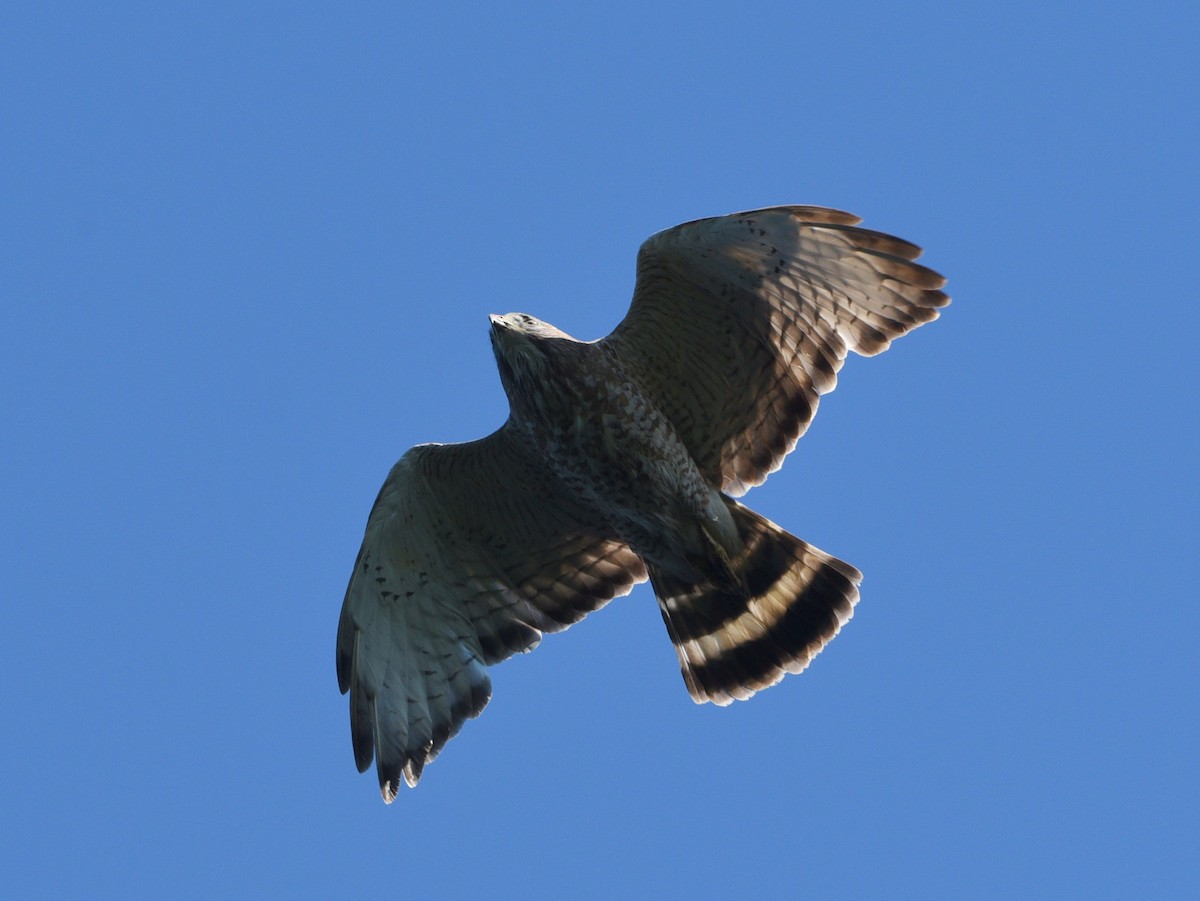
[
  {"x": 739, "y": 323},
  {"x": 471, "y": 552}
]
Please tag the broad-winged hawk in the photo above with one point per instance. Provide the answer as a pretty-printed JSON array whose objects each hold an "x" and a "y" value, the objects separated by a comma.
[{"x": 619, "y": 461}]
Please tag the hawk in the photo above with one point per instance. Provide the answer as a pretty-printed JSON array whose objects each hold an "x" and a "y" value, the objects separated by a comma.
[{"x": 620, "y": 461}]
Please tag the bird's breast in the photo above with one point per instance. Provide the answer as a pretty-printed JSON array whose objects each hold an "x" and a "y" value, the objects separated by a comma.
[{"x": 607, "y": 441}]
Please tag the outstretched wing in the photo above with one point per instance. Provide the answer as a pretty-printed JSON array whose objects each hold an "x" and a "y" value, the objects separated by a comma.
[
  {"x": 471, "y": 552},
  {"x": 740, "y": 323}
]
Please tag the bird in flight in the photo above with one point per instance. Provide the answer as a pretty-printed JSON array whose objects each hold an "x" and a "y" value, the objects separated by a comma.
[{"x": 620, "y": 461}]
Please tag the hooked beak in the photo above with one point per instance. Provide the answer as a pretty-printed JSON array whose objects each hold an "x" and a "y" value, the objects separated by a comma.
[{"x": 499, "y": 331}]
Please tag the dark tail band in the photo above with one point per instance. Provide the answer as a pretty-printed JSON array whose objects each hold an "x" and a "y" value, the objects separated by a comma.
[{"x": 732, "y": 643}]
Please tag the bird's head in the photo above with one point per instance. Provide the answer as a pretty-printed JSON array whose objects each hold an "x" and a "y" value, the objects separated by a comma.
[{"x": 524, "y": 347}]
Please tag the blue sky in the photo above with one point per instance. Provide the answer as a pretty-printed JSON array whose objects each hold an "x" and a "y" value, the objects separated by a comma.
[{"x": 247, "y": 257}]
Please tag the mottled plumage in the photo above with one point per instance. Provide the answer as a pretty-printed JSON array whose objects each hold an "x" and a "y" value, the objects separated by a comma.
[{"x": 618, "y": 462}]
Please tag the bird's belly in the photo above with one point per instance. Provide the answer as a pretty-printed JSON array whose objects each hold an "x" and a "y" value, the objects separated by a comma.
[{"x": 637, "y": 475}]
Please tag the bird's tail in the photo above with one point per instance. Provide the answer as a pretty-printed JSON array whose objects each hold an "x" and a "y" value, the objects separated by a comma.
[{"x": 736, "y": 639}]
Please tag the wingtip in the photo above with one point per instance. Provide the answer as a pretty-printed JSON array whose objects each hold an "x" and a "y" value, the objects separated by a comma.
[
  {"x": 389, "y": 780},
  {"x": 390, "y": 777},
  {"x": 389, "y": 789},
  {"x": 412, "y": 772}
]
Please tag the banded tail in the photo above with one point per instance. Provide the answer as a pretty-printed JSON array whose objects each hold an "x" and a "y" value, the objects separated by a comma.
[{"x": 734, "y": 640}]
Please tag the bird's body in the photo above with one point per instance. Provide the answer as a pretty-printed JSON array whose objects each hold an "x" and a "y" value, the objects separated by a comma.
[
  {"x": 601, "y": 435},
  {"x": 619, "y": 462}
]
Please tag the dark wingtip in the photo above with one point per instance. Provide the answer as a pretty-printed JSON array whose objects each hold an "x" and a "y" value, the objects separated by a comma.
[{"x": 389, "y": 786}]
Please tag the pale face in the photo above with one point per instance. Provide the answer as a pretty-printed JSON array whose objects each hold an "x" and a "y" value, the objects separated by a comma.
[
  {"x": 523, "y": 323},
  {"x": 527, "y": 351}
]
